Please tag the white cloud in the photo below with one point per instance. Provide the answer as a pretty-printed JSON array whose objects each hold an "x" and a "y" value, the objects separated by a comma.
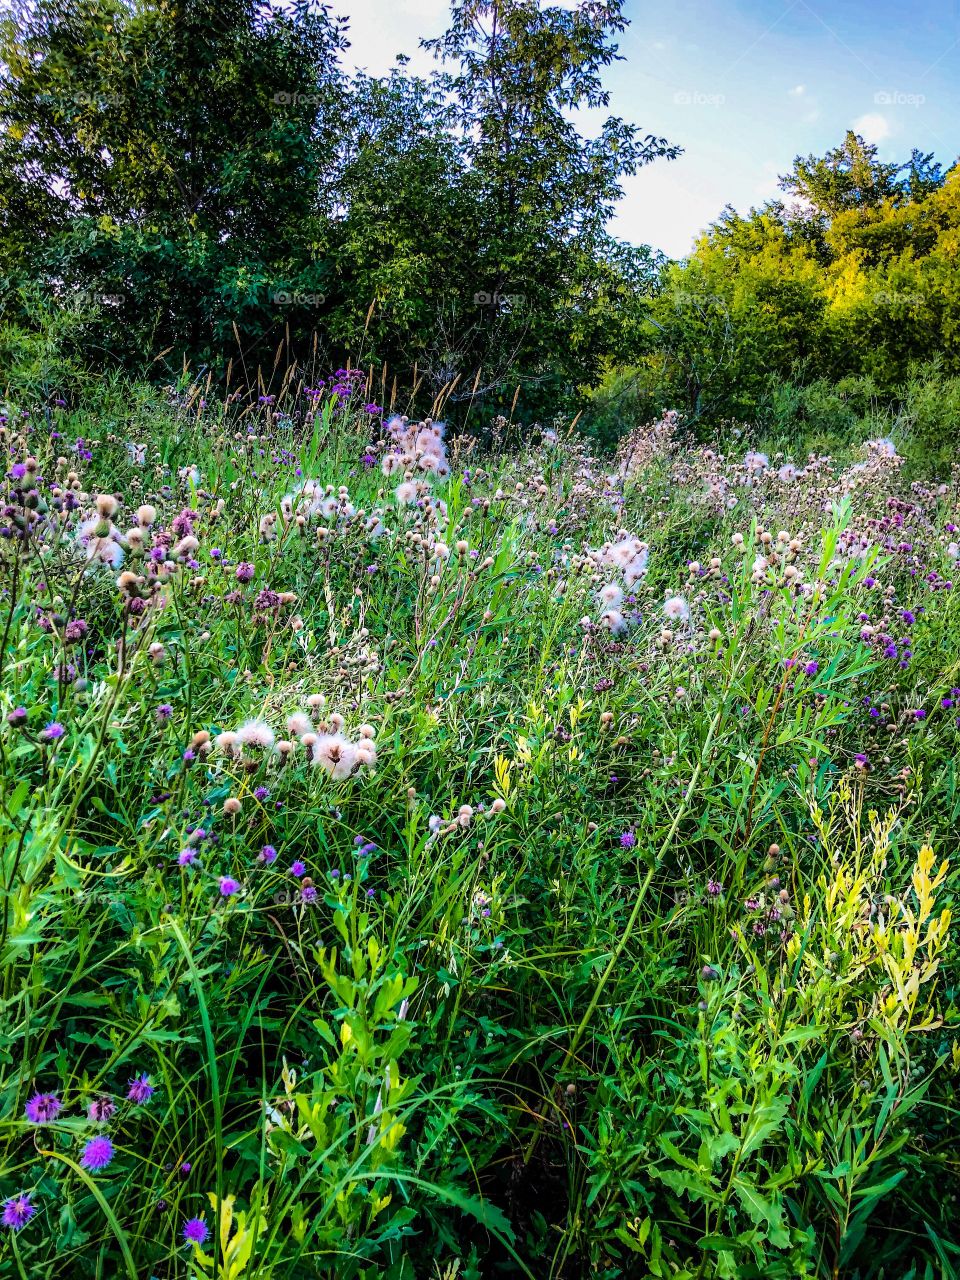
[
  {"x": 873, "y": 127},
  {"x": 797, "y": 91}
]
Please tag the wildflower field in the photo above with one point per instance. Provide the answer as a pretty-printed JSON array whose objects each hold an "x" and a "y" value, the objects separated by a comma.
[{"x": 436, "y": 855}]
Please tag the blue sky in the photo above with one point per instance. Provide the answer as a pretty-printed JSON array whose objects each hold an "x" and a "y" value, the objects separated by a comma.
[{"x": 743, "y": 86}]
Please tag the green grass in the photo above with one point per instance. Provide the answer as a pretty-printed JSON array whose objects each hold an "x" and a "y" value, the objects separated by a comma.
[{"x": 648, "y": 971}]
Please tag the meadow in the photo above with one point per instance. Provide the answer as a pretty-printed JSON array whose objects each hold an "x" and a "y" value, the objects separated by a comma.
[{"x": 429, "y": 854}]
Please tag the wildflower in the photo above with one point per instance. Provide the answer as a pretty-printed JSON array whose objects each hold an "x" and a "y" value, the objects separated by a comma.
[
  {"x": 308, "y": 893},
  {"x": 101, "y": 1109},
  {"x": 299, "y": 723},
  {"x": 627, "y": 840},
  {"x": 17, "y": 1211},
  {"x": 53, "y": 731},
  {"x": 714, "y": 888},
  {"x": 335, "y": 755},
  {"x": 17, "y": 718},
  {"x": 614, "y": 622},
  {"x": 268, "y": 854},
  {"x": 140, "y": 1090},
  {"x": 676, "y": 609},
  {"x": 298, "y": 869},
  {"x": 245, "y": 571},
  {"x": 195, "y": 1231},
  {"x": 164, "y": 712},
  {"x": 187, "y": 857},
  {"x": 610, "y": 596},
  {"x": 97, "y": 1154},
  {"x": 43, "y": 1108},
  {"x": 255, "y": 733},
  {"x": 228, "y": 887},
  {"x": 861, "y": 760},
  {"x": 811, "y": 668}
]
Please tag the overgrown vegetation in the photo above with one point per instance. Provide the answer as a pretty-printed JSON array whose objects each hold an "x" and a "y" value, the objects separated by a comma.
[
  {"x": 522, "y": 844},
  {"x": 426, "y": 859},
  {"x": 205, "y": 183}
]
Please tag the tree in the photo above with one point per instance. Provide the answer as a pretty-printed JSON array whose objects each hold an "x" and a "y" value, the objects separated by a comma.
[
  {"x": 541, "y": 192},
  {"x": 169, "y": 158}
]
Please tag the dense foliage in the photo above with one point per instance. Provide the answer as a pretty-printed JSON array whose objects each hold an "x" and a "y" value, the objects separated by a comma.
[
  {"x": 814, "y": 313},
  {"x": 205, "y": 183},
  {"x": 204, "y": 179},
  {"x": 422, "y": 859}
]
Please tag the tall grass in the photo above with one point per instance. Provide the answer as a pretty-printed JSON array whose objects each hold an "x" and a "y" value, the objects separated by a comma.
[{"x": 578, "y": 901}]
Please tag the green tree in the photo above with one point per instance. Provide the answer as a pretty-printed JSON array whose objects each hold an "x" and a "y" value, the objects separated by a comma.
[
  {"x": 541, "y": 191},
  {"x": 172, "y": 158}
]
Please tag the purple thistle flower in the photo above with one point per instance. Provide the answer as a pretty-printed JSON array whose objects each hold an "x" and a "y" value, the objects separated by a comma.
[
  {"x": 714, "y": 888},
  {"x": 228, "y": 886},
  {"x": 811, "y": 668},
  {"x": 52, "y": 731},
  {"x": 268, "y": 854},
  {"x": 627, "y": 840},
  {"x": 164, "y": 712},
  {"x": 17, "y": 1211},
  {"x": 245, "y": 571},
  {"x": 141, "y": 1090},
  {"x": 298, "y": 869},
  {"x": 308, "y": 893},
  {"x": 195, "y": 1231},
  {"x": 43, "y": 1108},
  {"x": 261, "y": 793},
  {"x": 97, "y": 1154},
  {"x": 187, "y": 857},
  {"x": 861, "y": 760},
  {"x": 101, "y": 1109}
]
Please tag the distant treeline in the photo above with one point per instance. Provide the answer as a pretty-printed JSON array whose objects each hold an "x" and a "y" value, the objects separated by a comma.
[{"x": 203, "y": 182}]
